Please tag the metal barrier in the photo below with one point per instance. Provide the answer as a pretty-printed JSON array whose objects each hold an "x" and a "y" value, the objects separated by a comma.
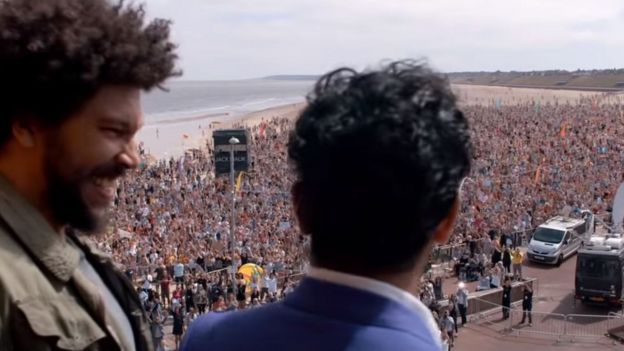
[
  {"x": 540, "y": 323},
  {"x": 445, "y": 253},
  {"x": 561, "y": 327},
  {"x": 491, "y": 315},
  {"x": 590, "y": 326}
]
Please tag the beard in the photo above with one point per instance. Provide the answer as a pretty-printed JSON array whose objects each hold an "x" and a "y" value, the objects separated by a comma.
[
  {"x": 68, "y": 205},
  {"x": 65, "y": 195}
]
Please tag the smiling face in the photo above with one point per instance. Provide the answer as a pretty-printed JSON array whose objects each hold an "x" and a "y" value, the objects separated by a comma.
[{"x": 87, "y": 153}]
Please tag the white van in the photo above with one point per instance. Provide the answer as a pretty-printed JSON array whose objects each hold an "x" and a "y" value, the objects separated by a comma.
[{"x": 557, "y": 239}]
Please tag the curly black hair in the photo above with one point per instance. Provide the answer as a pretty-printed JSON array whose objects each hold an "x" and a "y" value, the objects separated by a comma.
[
  {"x": 56, "y": 54},
  {"x": 379, "y": 157}
]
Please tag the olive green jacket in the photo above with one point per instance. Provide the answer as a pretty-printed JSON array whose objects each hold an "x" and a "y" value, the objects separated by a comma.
[{"x": 46, "y": 303}]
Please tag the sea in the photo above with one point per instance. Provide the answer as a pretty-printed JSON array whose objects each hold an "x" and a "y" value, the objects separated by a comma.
[
  {"x": 184, "y": 100},
  {"x": 176, "y": 118}
]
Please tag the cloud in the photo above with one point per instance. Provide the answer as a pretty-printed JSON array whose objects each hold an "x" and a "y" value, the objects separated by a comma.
[{"x": 229, "y": 39}]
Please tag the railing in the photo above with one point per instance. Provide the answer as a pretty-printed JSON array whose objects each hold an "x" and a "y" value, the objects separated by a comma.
[
  {"x": 570, "y": 327},
  {"x": 590, "y": 326},
  {"x": 446, "y": 253},
  {"x": 491, "y": 315},
  {"x": 541, "y": 323}
]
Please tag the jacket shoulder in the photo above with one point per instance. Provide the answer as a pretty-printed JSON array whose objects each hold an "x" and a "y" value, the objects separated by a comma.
[
  {"x": 25, "y": 277},
  {"x": 225, "y": 328}
]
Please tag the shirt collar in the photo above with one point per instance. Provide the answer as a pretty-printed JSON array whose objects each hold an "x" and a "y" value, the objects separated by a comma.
[
  {"x": 36, "y": 235},
  {"x": 380, "y": 288}
]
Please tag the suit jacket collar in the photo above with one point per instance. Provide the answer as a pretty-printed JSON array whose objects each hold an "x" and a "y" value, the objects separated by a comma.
[{"x": 353, "y": 305}]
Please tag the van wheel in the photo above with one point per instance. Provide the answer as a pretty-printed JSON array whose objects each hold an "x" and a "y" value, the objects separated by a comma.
[{"x": 559, "y": 260}]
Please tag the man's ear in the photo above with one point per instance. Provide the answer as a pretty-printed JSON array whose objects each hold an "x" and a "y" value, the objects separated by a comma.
[
  {"x": 445, "y": 228},
  {"x": 301, "y": 207},
  {"x": 24, "y": 134}
]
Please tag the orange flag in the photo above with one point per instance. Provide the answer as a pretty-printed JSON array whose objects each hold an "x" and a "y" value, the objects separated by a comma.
[
  {"x": 538, "y": 174},
  {"x": 562, "y": 132}
]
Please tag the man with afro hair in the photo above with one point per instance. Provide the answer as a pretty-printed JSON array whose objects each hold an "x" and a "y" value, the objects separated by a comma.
[{"x": 72, "y": 72}]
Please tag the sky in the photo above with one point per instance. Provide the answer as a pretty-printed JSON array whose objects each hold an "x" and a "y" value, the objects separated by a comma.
[{"x": 239, "y": 39}]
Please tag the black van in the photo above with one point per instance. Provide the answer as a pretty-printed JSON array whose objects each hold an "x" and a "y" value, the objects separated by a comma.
[{"x": 600, "y": 272}]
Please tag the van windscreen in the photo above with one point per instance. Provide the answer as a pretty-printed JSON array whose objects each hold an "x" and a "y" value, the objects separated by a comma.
[
  {"x": 548, "y": 235},
  {"x": 598, "y": 267}
]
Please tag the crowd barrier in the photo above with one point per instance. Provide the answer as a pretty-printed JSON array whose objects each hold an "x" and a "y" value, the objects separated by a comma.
[
  {"x": 559, "y": 327},
  {"x": 581, "y": 326},
  {"x": 446, "y": 253}
]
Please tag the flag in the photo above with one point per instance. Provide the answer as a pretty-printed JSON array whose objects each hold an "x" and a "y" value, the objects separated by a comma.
[
  {"x": 181, "y": 165},
  {"x": 563, "y": 131},
  {"x": 238, "y": 181},
  {"x": 538, "y": 174}
]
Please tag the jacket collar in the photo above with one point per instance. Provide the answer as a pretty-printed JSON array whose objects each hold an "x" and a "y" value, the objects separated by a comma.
[
  {"x": 340, "y": 302},
  {"x": 380, "y": 288},
  {"x": 31, "y": 229}
]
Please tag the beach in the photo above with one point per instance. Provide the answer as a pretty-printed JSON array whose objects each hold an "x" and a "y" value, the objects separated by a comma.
[{"x": 170, "y": 138}]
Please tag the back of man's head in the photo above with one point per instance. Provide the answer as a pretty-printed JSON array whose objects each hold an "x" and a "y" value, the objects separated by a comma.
[{"x": 379, "y": 157}]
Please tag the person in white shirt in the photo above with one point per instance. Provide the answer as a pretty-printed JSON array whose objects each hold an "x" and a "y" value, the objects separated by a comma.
[
  {"x": 462, "y": 301},
  {"x": 178, "y": 273},
  {"x": 448, "y": 326}
]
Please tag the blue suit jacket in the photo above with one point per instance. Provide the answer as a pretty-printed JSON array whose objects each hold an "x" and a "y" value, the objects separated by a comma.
[{"x": 317, "y": 316}]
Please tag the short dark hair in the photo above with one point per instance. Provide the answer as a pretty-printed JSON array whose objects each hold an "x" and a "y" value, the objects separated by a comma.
[
  {"x": 56, "y": 54},
  {"x": 379, "y": 157}
]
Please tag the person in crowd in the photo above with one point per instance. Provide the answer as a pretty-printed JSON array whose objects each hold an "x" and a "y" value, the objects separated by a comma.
[
  {"x": 448, "y": 326},
  {"x": 485, "y": 281},
  {"x": 201, "y": 299},
  {"x": 178, "y": 325},
  {"x": 527, "y": 303},
  {"x": 497, "y": 255},
  {"x": 507, "y": 260},
  {"x": 72, "y": 76},
  {"x": 157, "y": 317},
  {"x": 453, "y": 310},
  {"x": 437, "y": 288},
  {"x": 506, "y": 298},
  {"x": 516, "y": 259},
  {"x": 165, "y": 283},
  {"x": 462, "y": 301},
  {"x": 189, "y": 297},
  {"x": 496, "y": 277},
  {"x": 218, "y": 305},
  {"x": 178, "y": 273},
  {"x": 266, "y": 282},
  {"x": 355, "y": 122},
  {"x": 241, "y": 290}
]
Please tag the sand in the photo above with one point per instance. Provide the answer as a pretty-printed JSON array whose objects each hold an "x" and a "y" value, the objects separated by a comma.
[
  {"x": 171, "y": 138},
  {"x": 478, "y": 94}
]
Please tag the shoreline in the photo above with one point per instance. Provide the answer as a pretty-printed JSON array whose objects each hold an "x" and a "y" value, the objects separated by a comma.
[{"x": 176, "y": 136}]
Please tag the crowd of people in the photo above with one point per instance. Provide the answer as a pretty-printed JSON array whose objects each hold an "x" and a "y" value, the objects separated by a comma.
[{"x": 530, "y": 160}]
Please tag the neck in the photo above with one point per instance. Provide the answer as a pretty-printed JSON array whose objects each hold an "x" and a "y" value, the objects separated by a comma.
[{"x": 408, "y": 280}]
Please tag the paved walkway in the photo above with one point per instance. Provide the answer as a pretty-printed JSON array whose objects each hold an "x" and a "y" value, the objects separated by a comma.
[{"x": 554, "y": 295}]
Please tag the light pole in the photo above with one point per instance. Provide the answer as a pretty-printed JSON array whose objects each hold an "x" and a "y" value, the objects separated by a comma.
[{"x": 233, "y": 141}]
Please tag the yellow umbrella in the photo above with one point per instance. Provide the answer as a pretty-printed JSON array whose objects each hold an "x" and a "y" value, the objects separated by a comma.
[{"x": 249, "y": 270}]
